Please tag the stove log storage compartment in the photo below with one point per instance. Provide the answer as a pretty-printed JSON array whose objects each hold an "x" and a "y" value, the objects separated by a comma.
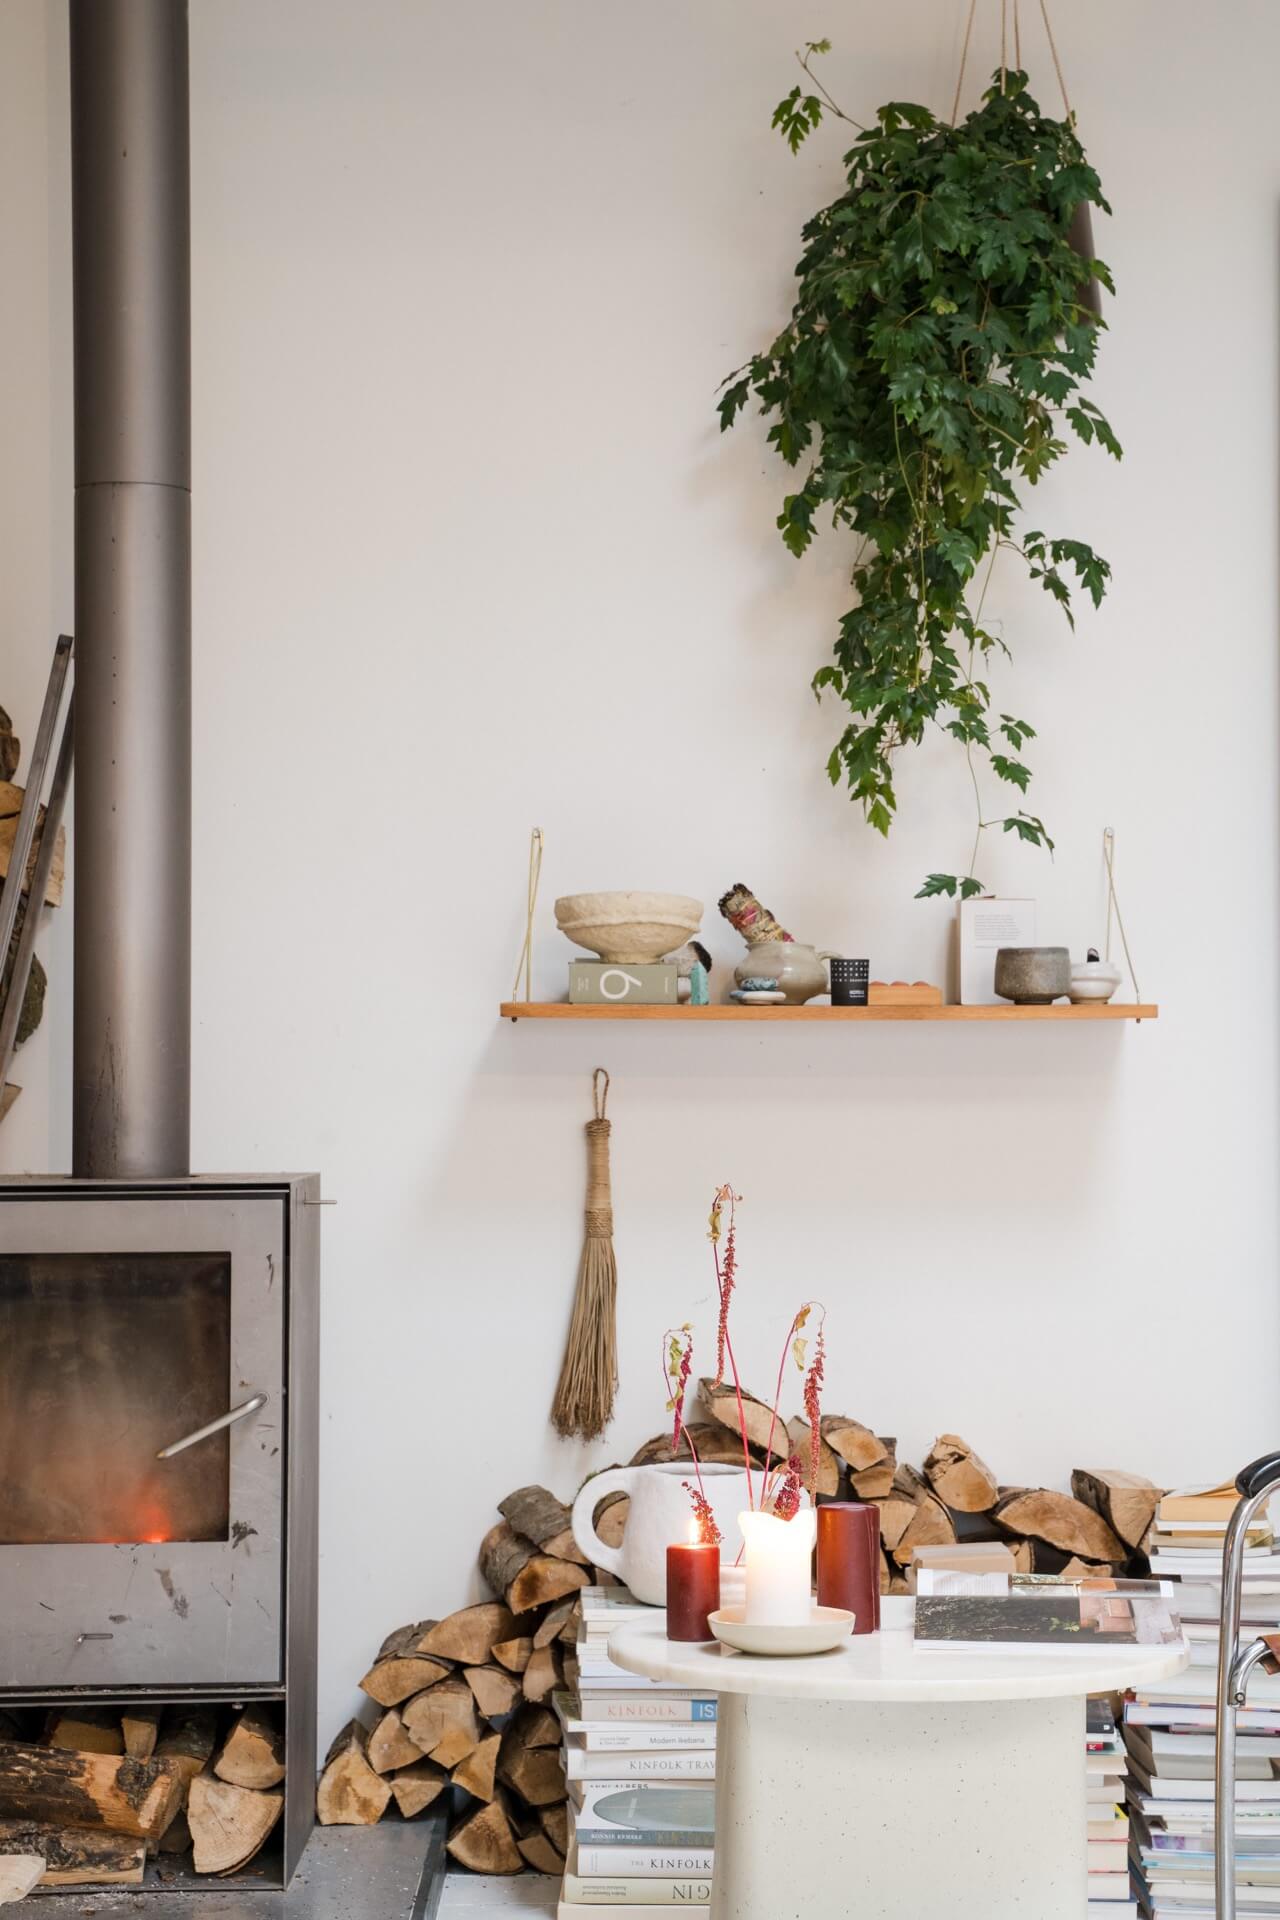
[{"x": 132, "y": 1317}]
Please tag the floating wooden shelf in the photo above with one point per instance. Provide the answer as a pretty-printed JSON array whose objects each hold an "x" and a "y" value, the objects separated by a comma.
[{"x": 745, "y": 1016}]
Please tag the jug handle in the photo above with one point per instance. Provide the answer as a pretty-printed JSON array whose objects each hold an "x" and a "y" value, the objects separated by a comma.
[{"x": 590, "y": 1493}]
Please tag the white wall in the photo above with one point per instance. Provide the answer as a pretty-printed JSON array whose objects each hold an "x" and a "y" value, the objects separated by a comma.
[{"x": 470, "y": 555}]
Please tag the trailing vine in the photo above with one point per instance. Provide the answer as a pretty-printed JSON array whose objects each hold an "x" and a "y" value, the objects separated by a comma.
[{"x": 933, "y": 360}]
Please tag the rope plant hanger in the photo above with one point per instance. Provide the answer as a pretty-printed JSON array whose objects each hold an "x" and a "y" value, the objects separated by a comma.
[
  {"x": 1081, "y": 231},
  {"x": 583, "y": 1405}
]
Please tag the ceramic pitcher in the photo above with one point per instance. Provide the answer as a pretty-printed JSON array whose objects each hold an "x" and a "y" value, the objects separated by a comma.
[
  {"x": 799, "y": 970},
  {"x": 660, "y": 1517}
]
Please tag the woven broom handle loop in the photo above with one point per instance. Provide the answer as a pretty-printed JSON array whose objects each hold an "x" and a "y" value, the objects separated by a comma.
[{"x": 599, "y": 1193}]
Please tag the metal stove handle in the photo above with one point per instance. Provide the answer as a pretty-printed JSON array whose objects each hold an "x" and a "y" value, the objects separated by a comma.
[
  {"x": 214, "y": 1426},
  {"x": 1256, "y": 1483}
]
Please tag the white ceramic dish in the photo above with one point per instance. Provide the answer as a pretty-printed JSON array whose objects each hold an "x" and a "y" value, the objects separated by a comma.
[
  {"x": 826, "y": 1628},
  {"x": 628, "y": 929},
  {"x": 1093, "y": 979}
]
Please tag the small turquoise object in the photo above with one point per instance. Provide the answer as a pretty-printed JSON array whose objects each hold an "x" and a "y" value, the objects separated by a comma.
[
  {"x": 759, "y": 984},
  {"x": 699, "y": 986}
]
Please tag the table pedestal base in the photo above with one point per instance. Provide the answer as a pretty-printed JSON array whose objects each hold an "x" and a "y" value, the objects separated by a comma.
[{"x": 838, "y": 1810}]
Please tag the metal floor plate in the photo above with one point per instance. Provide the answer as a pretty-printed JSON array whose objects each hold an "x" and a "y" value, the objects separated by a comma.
[{"x": 389, "y": 1872}]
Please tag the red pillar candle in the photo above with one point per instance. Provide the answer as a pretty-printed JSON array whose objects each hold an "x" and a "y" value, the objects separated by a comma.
[
  {"x": 693, "y": 1590},
  {"x": 849, "y": 1561}
]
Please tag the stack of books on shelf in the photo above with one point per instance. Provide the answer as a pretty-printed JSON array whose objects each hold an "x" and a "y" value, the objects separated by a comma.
[
  {"x": 640, "y": 1760},
  {"x": 1169, "y": 1729},
  {"x": 1108, "y": 1830}
]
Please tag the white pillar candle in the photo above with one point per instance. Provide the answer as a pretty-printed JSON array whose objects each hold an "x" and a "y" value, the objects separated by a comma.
[{"x": 779, "y": 1555}]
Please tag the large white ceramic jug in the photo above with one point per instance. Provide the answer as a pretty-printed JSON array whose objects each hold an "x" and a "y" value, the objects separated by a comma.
[{"x": 661, "y": 1516}]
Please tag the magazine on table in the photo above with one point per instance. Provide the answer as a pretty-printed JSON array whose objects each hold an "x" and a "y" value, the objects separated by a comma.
[{"x": 1073, "y": 1616}]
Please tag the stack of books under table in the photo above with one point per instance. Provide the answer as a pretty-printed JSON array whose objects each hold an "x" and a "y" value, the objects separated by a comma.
[
  {"x": 1108, "y": 1830},
  {"x": 1169, "y": 1729},
  {"x": 640, "y": 1759}
]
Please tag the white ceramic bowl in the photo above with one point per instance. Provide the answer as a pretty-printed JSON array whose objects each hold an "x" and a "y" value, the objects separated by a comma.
[
  {"x": 1093, "y": 980},
  {"x": 826, "y": 1628},
  {"x": 628, "y": 929}
]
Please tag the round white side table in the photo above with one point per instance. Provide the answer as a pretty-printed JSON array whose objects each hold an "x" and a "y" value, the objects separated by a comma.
[{"x": 886, "y": 1783}]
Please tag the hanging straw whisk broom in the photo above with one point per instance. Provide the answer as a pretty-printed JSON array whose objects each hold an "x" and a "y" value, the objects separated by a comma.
[{"x": 583, "y": 1404}]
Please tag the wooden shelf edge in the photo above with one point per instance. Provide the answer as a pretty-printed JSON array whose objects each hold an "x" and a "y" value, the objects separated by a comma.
[{"x": 1089, "y": 1012}]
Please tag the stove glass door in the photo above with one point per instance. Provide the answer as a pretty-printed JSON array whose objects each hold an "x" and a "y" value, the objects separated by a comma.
[
  {"x": 128, "y": 1325},
  {"x": 106, "y": 1359}
]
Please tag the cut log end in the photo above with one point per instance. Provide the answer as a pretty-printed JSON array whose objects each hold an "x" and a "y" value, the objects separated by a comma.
[
  {"x": 253, "y": 1752},
  {"x": 229, "y": 1824},
  {"x": 483, "y": 1841},
  {"x": 350, "y": 1793}
]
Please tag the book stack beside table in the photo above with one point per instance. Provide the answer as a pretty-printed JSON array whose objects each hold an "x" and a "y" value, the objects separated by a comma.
[
  {"x": 1169, "y": 1729},
  {"x": 1107, "y": 1849},
  {"x": 640, "y": 1760}
]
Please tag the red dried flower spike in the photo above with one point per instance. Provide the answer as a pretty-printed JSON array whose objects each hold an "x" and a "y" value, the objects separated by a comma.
[
  {"x": 726, "y": 1275},
  {"x": 709, "y": 1534},
  {"x": 786, "y": 1502},
  {"x": 813, "y": 1405}
]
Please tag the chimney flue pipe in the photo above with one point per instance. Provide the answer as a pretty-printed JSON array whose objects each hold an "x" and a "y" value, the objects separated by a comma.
[{"x": 131, "y": 253}]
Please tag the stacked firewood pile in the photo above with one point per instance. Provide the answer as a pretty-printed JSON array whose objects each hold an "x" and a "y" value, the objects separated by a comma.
[
  {"x": 464, "y": 1704},
  {"x": 93, "y": 1792},
  {"x": 1102, "y": 1525}
]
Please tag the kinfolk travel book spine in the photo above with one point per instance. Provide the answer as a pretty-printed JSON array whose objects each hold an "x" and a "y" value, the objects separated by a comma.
[{"x": 639, "y": 1766}]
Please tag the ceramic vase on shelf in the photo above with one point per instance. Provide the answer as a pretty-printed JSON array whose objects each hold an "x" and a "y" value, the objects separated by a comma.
[
  {"x": 799, "y": 970},
  {"x": 779, "y": 1559},
  {"x": 660, "y": 1517}
]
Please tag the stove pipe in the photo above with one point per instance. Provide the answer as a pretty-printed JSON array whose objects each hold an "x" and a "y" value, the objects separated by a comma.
[{"x": 131, "y": 247}]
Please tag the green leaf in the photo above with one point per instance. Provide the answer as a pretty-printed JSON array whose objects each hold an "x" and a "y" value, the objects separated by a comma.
[
  {"x": 1016, "y": 731},
  {"x": 1011, "y": 770},
  {"x": 1028, "y": 828},
  {"x": 732, "y": 401},
  {"x": 796, "y": 117},
  {"x": 939, "y": 883}
]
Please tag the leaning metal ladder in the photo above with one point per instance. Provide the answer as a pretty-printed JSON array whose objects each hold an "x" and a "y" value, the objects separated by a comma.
[
  {"x": 19, "y": 887},
  {"x": 1255, "y": 1485}
]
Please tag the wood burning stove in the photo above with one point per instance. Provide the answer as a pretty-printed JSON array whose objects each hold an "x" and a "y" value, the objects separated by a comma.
[{"x": 158, "y": 1433}]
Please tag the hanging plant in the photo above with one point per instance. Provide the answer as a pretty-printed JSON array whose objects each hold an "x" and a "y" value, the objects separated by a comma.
[{"x": 932, "y": 364}]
